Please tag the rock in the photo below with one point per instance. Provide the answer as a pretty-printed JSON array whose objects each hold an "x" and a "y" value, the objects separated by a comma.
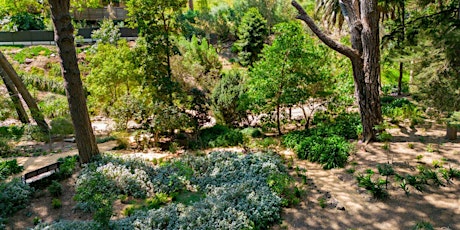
[
  {"x": 28, "y": 60},
  {"x": 333, "y": 203},
  {"x": 327, "y": 195},
  {"x": 340, "y": 207},
  {"x": 52, "y": 55},
  {"x": 71, "y": 140}
]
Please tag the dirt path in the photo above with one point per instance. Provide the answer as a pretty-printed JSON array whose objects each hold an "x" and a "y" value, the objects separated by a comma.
[{"x": 351, "y": 207}]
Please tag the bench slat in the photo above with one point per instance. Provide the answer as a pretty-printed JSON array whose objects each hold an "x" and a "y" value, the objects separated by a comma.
[{"x": 52, "y": 168}]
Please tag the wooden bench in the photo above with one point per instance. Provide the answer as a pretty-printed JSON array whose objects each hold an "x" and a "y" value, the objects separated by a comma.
[{"x": 41, "y": 173}]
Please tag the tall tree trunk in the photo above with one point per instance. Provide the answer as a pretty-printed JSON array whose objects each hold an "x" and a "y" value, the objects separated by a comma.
[
  {"x": 278, "y": 119},
  {"x": 14, "y": 95},
  {"x": 30, "y": 101},
  {"x": 401, "y": 39},
  {"x": 400, "y": 79},
  {"x": 63, "y": 36},
  {"x": 190, "y": 5},
  {"x": 362, "y": 18}
]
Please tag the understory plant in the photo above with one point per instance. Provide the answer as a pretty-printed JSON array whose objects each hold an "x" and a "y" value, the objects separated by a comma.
[{"x": 235, "y": 191}]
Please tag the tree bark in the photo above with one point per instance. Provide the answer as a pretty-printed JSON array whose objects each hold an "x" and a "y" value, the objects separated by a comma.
[
  {"x": 30, "y": 101},
  {"x": 362, "y": 18},
  {"x": 190, "y": 5},
  {"x": 14, "y": 95},
  {"x": 63, "y": 36}
]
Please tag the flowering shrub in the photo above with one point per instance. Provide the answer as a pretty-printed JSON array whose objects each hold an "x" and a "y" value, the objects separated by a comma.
[{"x": 237, "y": 193}]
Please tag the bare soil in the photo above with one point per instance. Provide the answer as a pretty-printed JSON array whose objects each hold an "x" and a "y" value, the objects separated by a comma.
[{"x": 347, "y": 206}]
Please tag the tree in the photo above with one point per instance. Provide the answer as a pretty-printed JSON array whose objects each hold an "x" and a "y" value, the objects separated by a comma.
[
  {"x": 63, "y": 35},
  {"x": 252, "y": 33},
  {"x": 228, "y": 98},
  {"x": 288, "y": 72},
  {"x": 30, "y": 101},
  {"x": 14, "y": 95},
  {"x": 156, "y": 22},
  {"x": 363, "y": 22}
]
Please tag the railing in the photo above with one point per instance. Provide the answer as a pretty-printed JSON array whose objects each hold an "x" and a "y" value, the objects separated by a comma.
[
  {"x": 98, "y": 14},
  {"x": 47, "y": 37}
]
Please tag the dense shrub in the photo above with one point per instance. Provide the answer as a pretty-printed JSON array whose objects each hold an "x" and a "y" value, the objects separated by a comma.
[
  {"x": 61, "y": 126},
  {"x": 9, "y": 167},
  {"x": 13, "y": 132},
  {"x": 326, "y": 143},
  {"x": 240, "y": 191},
  {"x": 67, "y": 166},
  {"x": 218, "y": 136},
  {"x": 331, "y": 152},
  {"x": 55, "y": 189},
  {"x": 14, "y": 195},
  {"x": 347, "y": 125}
]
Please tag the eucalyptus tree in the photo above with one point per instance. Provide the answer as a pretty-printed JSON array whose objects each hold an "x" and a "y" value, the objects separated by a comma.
[{"x": 362, "y": 18}]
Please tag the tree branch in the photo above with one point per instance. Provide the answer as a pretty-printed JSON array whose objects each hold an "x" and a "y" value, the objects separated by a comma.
[{"x": 345, "y": 50}]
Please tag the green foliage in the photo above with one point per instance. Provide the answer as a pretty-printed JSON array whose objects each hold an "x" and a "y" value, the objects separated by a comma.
[
  {"x": 14, "y": 196},
  {"x": 228, "y": 98},
  {"x": 49, "y": 84},
  {"x": 56, "y": 203},
  {"x": 219, "y": 136},
  {"x": 31, "y": 52},
  {"x": 374, "y": 187},
  {"x": 112, "y": 78},
  {"x": 329, "y": 150},
  {"x": 200, "y": 60},
  {"x": 12, "y": 132},
  {"x": 423, "y": 225},
  {"x": 22, "y": 21},
  {"x": 108, "y": 33},
  {"x": 252, "y": 132},
  {"x": 55, "y": 189},
  {"x": 252, "y": 33},
  {"x": 67, "y": 166},
  {"x": 347, "y": 125},
  {"x": 8, "y": 168},
  {"x": 234, "y": 187},
  {"x": 322, "y": 202},
  {"x": 33, "y": 132},
  {"x": 6, "y": 108},
  {"x": 61, "y": 126},
  {"x": 399, "y": 109},
  {"x": 54, "y": 106},
  {"x": 385, "y": 169}
]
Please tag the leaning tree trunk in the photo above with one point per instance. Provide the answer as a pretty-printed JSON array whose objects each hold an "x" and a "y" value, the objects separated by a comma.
[
  {"x": 30, "y": 101},
  {"x": 362, "y": 18},
  {"x": 63, "y": 35},
  {"x": 14, "y": 95}
]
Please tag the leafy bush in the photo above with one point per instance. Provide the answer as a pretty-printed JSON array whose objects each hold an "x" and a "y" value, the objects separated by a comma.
[
  {"x": 218, "y": 136},
  {"x": 347, "y": 125},
  {"x": 56, "y": 203},
  {"x": 12, "y": 132},
  {"x": 331, "y": 151},
  {"x": 55, "y": 189},
  {"x": 9, "y": 167},
  {"x": 54, "y": 106},
  {"x": 14, "y": 195},
  {"x": 23, "y": 21},
  {"x": 67, "y": 166},
  {"x": 252, "y": 132},
  {"x": 61, "y": 126}
]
